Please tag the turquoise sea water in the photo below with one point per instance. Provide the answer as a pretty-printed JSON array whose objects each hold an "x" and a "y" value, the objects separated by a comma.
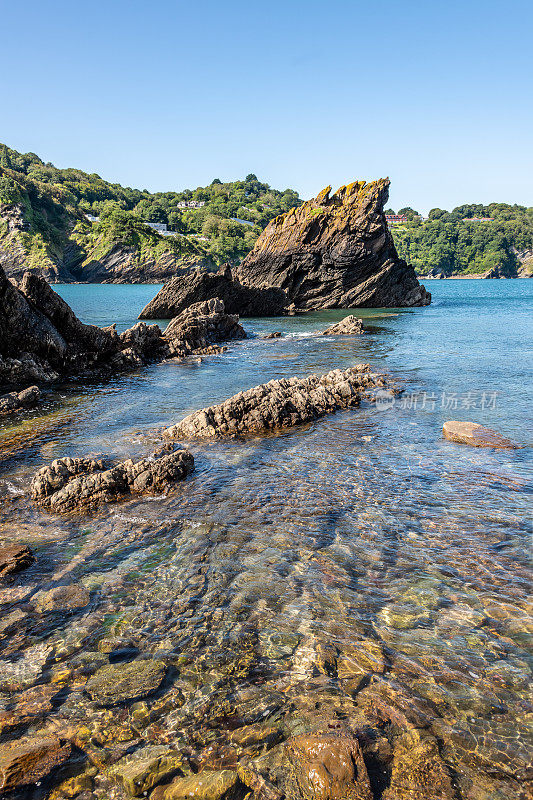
[{"x": 363, "y": 530}]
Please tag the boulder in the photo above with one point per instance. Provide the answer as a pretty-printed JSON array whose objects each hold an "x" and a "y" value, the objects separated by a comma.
[
  {"x": 119, "y": 683},
  {"x": 27, "y": 760},
  {"x": 14, "y": 558},
  {"x": 201, "y": 326},
  {"x": 326, "y": 766},
  {"x": 70, "y": 484},
  {"x": 15, "y": 401},
  {"x": 197, "y": 286},
  {"x": 279, "y": 404},
  {"x": 349, "y": 326},
  {"x": 475, "y": 435},
  {"x": 273, "y": 335},
  {"x": 334, "y": 251}
]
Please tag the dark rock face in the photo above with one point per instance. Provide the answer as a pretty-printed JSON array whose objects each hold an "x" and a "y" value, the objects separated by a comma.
[
  {"x": 334, "y": 251},
  {"x": 349, "y": 326},
  {"x": 14, "y": 558},
  {"x": 183, "y": 290},
  {"x": 70, "y": 484},
  {"x": 279, "y": 404},
  {"x": 41, "y": 339}
]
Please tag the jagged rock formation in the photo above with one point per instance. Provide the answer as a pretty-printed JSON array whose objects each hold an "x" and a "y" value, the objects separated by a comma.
[
  {"x": 349, "y": 326},
  {"x": 41, "y": 339},
  {"x": 70, "y": 484},
  {"x": 197, "y": 286},
  {"x": 279, "y": 404},
  {"x": 200, "y": 326},
  {"x": 334, "y": 251}
]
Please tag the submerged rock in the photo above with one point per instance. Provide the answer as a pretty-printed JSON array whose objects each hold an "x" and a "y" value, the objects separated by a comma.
[
  {"x": 326, "y": 766},
  {"x": 117, "y": 683},
  {"x": 282, "y": 403},
  {"x": 148, "y": 767},
  {"x": 68, "y": 484},
  {"x": 334, "y": 251},
  {"x": 27, "y": 760},
  {"x": 418, "y": 771},
  {"x": 475, "y": 435},
  {"x": 206, "y": 785},
  {"x": 349, "y": 326},
  {"x": 62, "y": 598},
  {"x": 14, "y": 401},
  {"x": 195, "y": 287},
  {"x": 14, "y": 558}
]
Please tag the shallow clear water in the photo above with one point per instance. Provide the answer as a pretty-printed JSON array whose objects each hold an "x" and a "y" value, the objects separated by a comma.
[{"x": 357, "y": 563}]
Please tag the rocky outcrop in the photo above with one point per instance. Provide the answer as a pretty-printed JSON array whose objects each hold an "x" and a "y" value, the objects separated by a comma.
[
  {"x": 70, "y": 484},
  {"x": 14, "y": 401},
  {"x": 126, "y": 264},
  {"x": 334, "y": 251},
  {"x": 475, "y": 435},
  {"x": 14, "y": 558},
  {"x": 41, "y": 339},
  {"x": 198, "y": 286},
  {"x": 200, "y": 326},
  {"x": 280, "y": 404},
  {"x": 349, "y": 326}
]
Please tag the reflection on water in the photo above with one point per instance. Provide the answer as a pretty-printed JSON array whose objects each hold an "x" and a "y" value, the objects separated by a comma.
[{"x": 361, "y": 568}]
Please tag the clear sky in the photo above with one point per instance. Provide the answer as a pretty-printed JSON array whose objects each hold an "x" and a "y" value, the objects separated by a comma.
[{"x": 170, "y": 94}]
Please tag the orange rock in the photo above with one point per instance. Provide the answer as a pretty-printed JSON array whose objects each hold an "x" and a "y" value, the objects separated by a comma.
[{"x": 475, "y": 435}]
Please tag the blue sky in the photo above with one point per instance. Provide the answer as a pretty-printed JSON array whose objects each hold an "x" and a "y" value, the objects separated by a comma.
[{"x": 171, "y": 94}]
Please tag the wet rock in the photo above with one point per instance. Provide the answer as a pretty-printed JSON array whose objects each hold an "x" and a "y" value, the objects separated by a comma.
[
  {"x": 11, "y": 620},
  {"x": 41, "y": 339},
  {"x": 475, "y": 435},
  {"x": 183, "y": 290},
  {"x": 117, "y": 683},
  {"x": 62, "y": 598},
  {"x": 15, "y": 401},
  {"x": 418, "y": 772},
  {"x": 14, "y": 558},
  {"x": 27, "y": 706},
  {"x": 280, "y": 403},
  {"x": 334, "y": 251},
  {"x": 326, "y": 766},
  {"x": 27, "y": 760},
  {"x": 273, "y": 335},
  {"x": 261, "y": 788},
  {"x": 69, "y": 484},
  {"x": 349, "y": 326},
  {"x": 16, "y": 675},
  {"x": 200, "y": 326},
  {"x": 148, "y": 767},
  {"x": 206, "y": 785}
]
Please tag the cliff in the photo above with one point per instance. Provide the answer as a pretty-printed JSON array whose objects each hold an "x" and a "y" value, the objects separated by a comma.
[{"x": 334, "y": 251}]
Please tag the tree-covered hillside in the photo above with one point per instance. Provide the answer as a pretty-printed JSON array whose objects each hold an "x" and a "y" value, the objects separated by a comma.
[
  {"x": 470, "y": 240},
  {"x": 54, "y": 203}
]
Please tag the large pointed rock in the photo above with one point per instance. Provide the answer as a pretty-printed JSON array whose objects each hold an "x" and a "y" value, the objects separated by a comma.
[{"x": 334, "y": 251}]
